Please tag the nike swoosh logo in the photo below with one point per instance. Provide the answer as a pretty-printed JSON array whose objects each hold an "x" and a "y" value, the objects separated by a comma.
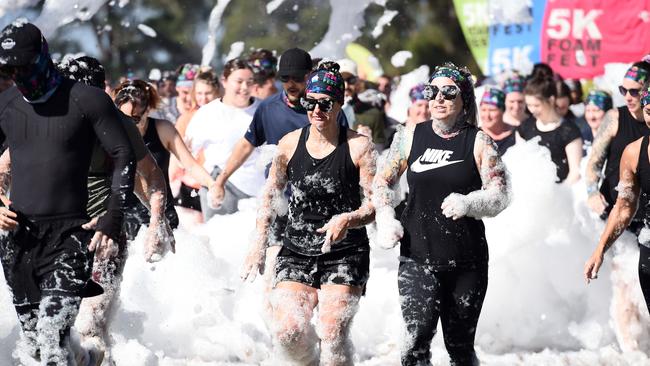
[{"x": 418, "y": 167}]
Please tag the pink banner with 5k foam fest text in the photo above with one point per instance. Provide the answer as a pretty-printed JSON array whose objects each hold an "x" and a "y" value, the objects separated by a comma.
[{"x": 580, "y": 36}]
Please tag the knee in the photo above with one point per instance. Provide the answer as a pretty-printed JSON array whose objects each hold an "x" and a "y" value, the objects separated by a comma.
[{"x": 290, "y": 335}]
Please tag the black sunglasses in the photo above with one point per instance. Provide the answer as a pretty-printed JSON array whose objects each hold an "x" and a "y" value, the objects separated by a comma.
[
  {"x": 325, "y": 104},
  {"x": 633, "y": 92},
  {"x": 449, "y": 92},
  {"x": 296, "y": 79}
]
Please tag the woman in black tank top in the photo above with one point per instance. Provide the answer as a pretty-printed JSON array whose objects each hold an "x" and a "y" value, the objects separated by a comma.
[
  {"x": 329, "y": 171},
  {"x": 136, "y": 99},
  {"x": 634, "y": 182},
  {"x": 455, "y": 178},
  {"x": 620, "y": 127},
  {"x": 560, "y": 135}
]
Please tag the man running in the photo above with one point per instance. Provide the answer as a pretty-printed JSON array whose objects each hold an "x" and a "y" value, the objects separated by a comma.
[{"x": 50, "y": 124}]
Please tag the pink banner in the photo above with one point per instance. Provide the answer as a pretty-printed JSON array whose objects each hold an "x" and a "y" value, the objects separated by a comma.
[{"x": 580, "y": 36}]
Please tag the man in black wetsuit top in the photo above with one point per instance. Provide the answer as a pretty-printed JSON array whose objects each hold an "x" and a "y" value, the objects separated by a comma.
[{"x": 50, "y": 124}]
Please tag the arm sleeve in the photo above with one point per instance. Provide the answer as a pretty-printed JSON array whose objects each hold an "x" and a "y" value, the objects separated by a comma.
[
  {"x": 109, "y": 128},
  {"x": 139, "y": 148},
  {"x": 255, "y": 133}
]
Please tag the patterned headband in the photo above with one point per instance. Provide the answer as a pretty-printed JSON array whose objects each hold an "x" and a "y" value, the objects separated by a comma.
[
  {"x": 461, "y": 76},
  {"x": 637, "y": 74},
  {"x": 645, "y": 98},
  {"x": 417, "y": 93},
  {"x": 495, "y": 97},
  {"x": 326, "y": 82},
  {"x": 600, "y": 99},
  {"x": 513, "y": 84}
]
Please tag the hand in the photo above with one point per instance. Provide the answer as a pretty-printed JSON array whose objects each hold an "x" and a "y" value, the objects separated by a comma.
[
  {"x": 389, "y": 232},
  {"x": 103, "y": 246},
  {"x": 454, "y": 206},
  {"x": 7, "y": 217},
  {"x": 91, "y": 225},
  {"x": 597, "y": 203},
  {"x": 254, "y": 262},
  {"x": 216, "y": 192},
  {"x": 592, "y": 266},
  {"x": 335, "y": 230},
  {"x": 159, "y": 239}
]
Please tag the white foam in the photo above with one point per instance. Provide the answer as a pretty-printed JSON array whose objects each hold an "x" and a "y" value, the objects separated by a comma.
[
  {"x": 383, "y": 21},
  {"x": 147, "y": 30},
  {"x": 400, "y": 57}
]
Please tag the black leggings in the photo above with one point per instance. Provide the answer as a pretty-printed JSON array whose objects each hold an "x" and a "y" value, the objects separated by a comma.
[
  {"x": 644, "y": 273},
  {"x": 454, "y": 296}
]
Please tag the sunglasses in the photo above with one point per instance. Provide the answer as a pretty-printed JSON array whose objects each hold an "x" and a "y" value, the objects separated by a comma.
[
  {"x": 325, "y": 104},
  {"x": 449, "y": 92},
  {"x": 295, "y": 79},
  {"x": 633, "y": 92}
]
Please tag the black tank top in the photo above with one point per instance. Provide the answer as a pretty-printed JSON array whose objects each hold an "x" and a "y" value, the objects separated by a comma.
[
  {"x": 505, "y": 143},
  {"x": 629, "y": 130},
  {"x": 438, "y": 167},
  {"x": 320, "y": 189},
  {"x": 161, "y": 156}
]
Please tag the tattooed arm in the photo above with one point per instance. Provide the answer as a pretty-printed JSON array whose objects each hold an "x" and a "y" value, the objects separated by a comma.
[
  {"x": 622, "y": 212},
  {"x": 364, "y": 156},
  {"x": 271, "y": 205},
  {"x": 8, "y": 219},
  {"x": 494, "y": 196},
  {"x": 600, "y": 146},
  {"x": 389, "y": 229}
]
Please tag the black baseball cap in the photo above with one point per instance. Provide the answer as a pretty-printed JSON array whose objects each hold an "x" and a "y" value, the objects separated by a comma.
[
  {"x": 294, "y": 62},
  {"x": 20, "y": 44}
]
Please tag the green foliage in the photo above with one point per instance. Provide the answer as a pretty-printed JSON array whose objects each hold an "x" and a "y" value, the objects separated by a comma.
[{"x": 429, "y": 29}]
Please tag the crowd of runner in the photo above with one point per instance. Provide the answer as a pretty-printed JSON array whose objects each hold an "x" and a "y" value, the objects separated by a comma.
[{"x": 87, "y": 165}]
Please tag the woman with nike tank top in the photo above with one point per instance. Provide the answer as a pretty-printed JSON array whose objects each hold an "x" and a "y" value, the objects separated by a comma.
[
  {"x": 325, "y": 243},
  {"x": 634, "y": 181},
  {"x": 455, "y": 178}
]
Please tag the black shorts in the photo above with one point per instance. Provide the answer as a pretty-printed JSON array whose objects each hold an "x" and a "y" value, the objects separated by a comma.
[
  {"x": 346, "y": 267},
  {"x": 47, "y": 257},
  {"x": 188, "y": 197}
]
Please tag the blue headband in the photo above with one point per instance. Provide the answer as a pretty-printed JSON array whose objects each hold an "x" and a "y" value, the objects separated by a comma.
[{"x": 600, "y": 99}]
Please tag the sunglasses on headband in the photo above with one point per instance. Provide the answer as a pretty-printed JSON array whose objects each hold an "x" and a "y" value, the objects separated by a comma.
[
  {"x": 325, "y": 104},
  {"x": 449, "y": 92},
  {"x": 633, "y": 92}
]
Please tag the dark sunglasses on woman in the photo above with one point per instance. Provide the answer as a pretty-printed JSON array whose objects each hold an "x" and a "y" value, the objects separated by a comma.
[
  {"x": 449, "y": 92},
  {"x": 325, "y": 104},
  {"x": 633, "y": 92}
]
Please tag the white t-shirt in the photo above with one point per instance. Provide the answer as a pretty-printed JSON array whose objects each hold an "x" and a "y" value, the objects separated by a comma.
[{"x": 216, "y": 128}]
